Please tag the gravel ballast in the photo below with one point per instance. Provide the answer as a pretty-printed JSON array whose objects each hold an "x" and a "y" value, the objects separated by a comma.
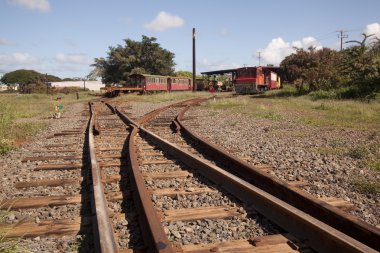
[{"x": 295, "y": 153}]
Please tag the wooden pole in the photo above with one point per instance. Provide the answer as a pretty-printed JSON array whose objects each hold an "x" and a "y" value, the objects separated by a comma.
[{"x": 194, "y": 68}]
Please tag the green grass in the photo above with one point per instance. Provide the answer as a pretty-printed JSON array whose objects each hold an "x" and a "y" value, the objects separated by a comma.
[
  {"x": 77, "y": 244},
  {"x": 245, "y": 106},
  {"x": 339, "y": 113},
  {"x": 17, "y": 109},
  {"x": 360, "y": 152},
  {"x": 373, "y": 164},
  {"x": 161, "y": 96},
  {"x": 366, "y": 187},
  {"x": 322, "y": 114},
  {"x": 226, "y": 104}
]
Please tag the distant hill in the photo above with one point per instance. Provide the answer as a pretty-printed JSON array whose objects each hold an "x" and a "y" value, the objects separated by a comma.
[{"x": 23, "y": 76}]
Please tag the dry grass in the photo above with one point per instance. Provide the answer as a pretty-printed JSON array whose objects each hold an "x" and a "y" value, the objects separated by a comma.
[
  {"x": 8, "y": 245},
  {"x": 347, "y": 113},
  {"x": 162, "y": 96},
  {"x": 22, "y": 115}
]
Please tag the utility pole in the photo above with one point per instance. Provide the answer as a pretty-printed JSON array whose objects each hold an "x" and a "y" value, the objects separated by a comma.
[
  {"x": 47, "y": 84},
  {"x": 342, "y": 36},
  {"x": 259, "y": 52},
  {"x": 84, "y": 84},
  {"x": 194, "y": 69}
]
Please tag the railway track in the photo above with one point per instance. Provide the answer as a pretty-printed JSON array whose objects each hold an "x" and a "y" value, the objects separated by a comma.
[
  {"x": 151, "y": 190},
  {"x": 51, "y": 200}
]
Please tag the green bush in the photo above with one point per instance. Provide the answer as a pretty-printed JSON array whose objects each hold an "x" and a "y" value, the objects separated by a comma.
[
  {"x": 366, "y": 187},
  {"x": 323, "y": 94},
  {"x": 5, "y": 146},
  {"x": 358, "y": 152}
]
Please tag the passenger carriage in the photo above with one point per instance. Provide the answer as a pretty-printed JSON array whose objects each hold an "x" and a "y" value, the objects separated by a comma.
[
  {"x": 149, "y": 82},
  {"x": 160, "y": 83},
  {"x": 180, "y": 84}
]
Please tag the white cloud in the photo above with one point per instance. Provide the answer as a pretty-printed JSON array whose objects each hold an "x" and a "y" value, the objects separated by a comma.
[
  {"x": 10, "y": 62},
  {"x": 164, "y": 21},
  {"x": 63, "y": 65},
  {"x": 72, "y": 58},
  {"x": 40, "y": 5},
  {"x": 373, "y": 29},
  {"x": 17, "y": 59},
  {"x": 278, "y": 49}
]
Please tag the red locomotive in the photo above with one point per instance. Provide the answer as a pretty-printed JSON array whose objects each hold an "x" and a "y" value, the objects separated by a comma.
[
  {"x": 160, "y": 83},
  {"x": 255, "y": 79}
]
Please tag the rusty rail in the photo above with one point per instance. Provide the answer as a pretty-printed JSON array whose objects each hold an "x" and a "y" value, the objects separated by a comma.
[
  {"x": 154, "y": 234},
  {"x": 103, "y": 231},
  {"x": 347, "y": 223},
  {"x": 315, "y": 233}
]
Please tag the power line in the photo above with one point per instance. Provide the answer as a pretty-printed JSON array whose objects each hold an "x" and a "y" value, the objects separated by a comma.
[
  {"x": 342, "y": 36},
  {"x": 259, "y": 52}
]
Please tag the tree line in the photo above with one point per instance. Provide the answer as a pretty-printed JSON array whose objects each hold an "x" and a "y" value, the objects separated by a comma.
[{"x": 350, "y": 73}]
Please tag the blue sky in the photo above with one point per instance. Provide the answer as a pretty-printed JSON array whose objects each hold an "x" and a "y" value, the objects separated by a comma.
[{"x": 62, "y": 37}]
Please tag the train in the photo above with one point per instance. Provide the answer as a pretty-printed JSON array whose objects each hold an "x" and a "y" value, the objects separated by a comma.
[
  {"x": 149, "y": 83},
  {"x": 256, "y": 79},
  {"x": 246, "y": 80},
  {"x": 145, "y": 83}
]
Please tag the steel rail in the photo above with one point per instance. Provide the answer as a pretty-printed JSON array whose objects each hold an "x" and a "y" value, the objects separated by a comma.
[
  {"x": 154, "y": 235},
  {"x": 345, "y": 222},
  {"x": 103, "y": 230},
  {"x": 153, "y": 113},
  {"x": 153, "y": 232},
  {"x": 308, "y": 229}
]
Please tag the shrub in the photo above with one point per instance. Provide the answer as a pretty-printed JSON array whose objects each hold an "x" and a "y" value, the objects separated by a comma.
[
  {"x": 358, "y": 152},
  {"x": 366, "y": 187},
  {"x": 323, "y": 94},
  {"x": 5, "y": 146}
]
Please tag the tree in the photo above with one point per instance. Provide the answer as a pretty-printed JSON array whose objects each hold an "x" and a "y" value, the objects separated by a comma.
[
  {"x": 317, "y": 68},
  {"x": 145, "y": 57},
  {"x": 183, "y": 73},
  {"x": 361, "y": 65},
  {"x": 23, "y": 76}
]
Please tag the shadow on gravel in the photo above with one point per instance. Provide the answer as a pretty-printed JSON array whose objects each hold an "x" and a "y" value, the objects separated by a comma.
[
  {"x": 84, "y": 238},
  {"x": 131, "y": 223}
]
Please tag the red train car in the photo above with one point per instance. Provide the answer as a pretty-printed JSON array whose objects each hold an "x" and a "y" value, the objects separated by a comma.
[
  {"x": 255, "y": 79},
  {"x": 160, "y": 83},
  {"x": 149, "y": 82},
  {"x": 180, "y": 83}
]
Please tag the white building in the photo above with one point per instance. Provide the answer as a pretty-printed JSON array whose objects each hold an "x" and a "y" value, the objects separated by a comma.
[
  {"x": 91, "y": 85},
  {"x": 3, "y": 87}
]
